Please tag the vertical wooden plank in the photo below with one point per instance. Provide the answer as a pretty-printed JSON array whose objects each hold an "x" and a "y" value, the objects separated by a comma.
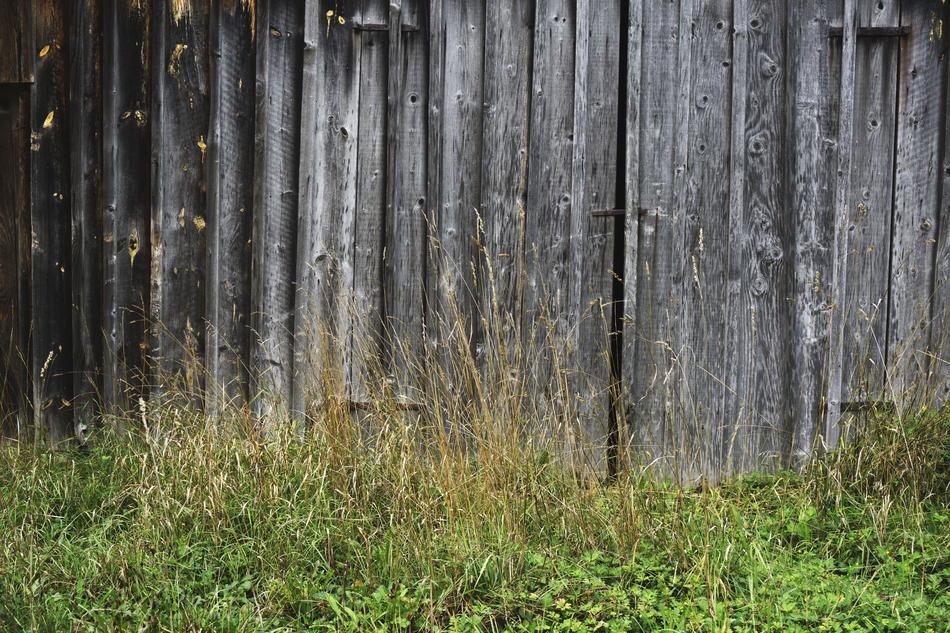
[
  {"x": 842, "y": 216},
  {"x": 632, "y": 239},
  {"x": 808, "y": 52},
  {"x": 594, "y": 187},
  {"x": 761, "y": 435},
  {"x": 50, "y": 204},
  {"x": 230, "y": 191},
  {"x": 126, "y": 197},
  {"x": 505, "y": 133},
  {"x": 707, "y": 234},
  {"x": 9, "y": 365},
  {"x": 405, "y": 246},
  {"x": 85, "y": 126},
  {"x": 279, "y": 60},
  {"x": 16, "y": 46},
  {"x": 919, "y": 120},
  {"x": 14, "y": 260},
  {"x": 940, "y": 329},
  {"x": 548, "y": 215},
  {"x": 363, "y": 345},
  {"x": 328, "y": 160},
  {"x": 455, "y": 92},
  {"x": 647, "y": 334},
  {"x": 179, "y": 204},
  {"x": 870, "y": 205}
]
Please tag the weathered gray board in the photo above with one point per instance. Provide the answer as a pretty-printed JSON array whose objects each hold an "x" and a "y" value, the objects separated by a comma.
[{"x": 244, "y": 198}]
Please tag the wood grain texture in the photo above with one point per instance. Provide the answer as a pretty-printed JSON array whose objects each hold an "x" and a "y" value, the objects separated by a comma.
[
  {"x": 629, "y": 452},
  {"x": 835, "y": 357},
  {"x": 404, "y": 258},
  {"x": 179, "y": 105},
  {"x": 230, "y": 204},
  {"x": 547, "y": 237},
  {"x": 808, "y": 103},
  {"x": 16, "y": 46},
  {"x": 504, "y": 178},
  {"x": 940, "y": 307},
  {"x": 328, "y": 167},
  {"x": 14, "y": 260},
  {"x": 707, "y": 234},
  {"x": 594, "y": 185},
  {"x": 126, "y": 187},
  {"x": 279, "y": 62},
  {"x": 762, "y": 432},
  {"x": 866, "y": 303},
  {"x": 52, "y": 351},
  {"x": 920, "y": 116},
  {"x": 85, "y": 147},
  {"x": 364, "y": 344},
  {"x": 940, "y": 330},
  {"x": 457, "y": 38},
  {"x": 648, "y": 333}
]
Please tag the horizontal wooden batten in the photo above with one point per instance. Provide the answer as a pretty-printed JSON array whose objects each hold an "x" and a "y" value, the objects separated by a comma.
[{"x": 873, "y": 31}]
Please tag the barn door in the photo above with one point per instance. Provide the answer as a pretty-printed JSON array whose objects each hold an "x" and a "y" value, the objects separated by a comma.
[{"x": 890, "y": 294}]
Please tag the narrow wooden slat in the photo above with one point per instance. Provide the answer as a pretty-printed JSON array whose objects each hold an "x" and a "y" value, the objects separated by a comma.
[
  {"x": 870, "y": 205},
  {"x": 455, "y": 90},
  {"x": 504, "y": 179},
  {"x": 842, "y": 217},
  {"x": 917, "y": 179},
  {"x": 16, "y": 46},
  {"x": 363, "y": 346},
  {"x": 14, "y": 260},
  {"x": 52, "y": 357},
  {"x": 648, "y": 336},
  {"x": 632, "y": 243},
  {"x": 707, "y": 234},
  {"x": 328, "y": 163},
  {"x": 548, "y": 214},
  {"x": 765, "y": 313},
  {"x": 230, "y": 191},
  {"x": 85, "y": 138},
  {"x": 940, "y": 329},
  {"x": 126, "y": 250},
  {"x": 808, "y": 50},
  {"x": 279, "y": 60},
  {"x": 594, "y": 185},
  {"x": 179, "y": 202},
  {"x": 405, "y": 250}
]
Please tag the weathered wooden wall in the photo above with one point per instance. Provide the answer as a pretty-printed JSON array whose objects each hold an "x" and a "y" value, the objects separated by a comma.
[{"x": 731, "y": 216}]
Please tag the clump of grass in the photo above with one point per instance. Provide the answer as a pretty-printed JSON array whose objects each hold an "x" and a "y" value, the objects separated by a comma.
[
  {"x": 459, "y": 495},
  {"x": 378, "y": 521}
]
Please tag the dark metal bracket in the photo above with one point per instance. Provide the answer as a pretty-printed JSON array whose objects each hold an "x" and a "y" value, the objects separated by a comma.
[
  {"x": 372, "y": 26},
  {"x": 873, "y": 31}
]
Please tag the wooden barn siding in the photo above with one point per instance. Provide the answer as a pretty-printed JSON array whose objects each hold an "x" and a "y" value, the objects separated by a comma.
[{"x": 221, "y": 184}]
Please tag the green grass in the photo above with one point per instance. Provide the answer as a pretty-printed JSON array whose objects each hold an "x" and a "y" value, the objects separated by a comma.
[{"x": 217, "y": 528}]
